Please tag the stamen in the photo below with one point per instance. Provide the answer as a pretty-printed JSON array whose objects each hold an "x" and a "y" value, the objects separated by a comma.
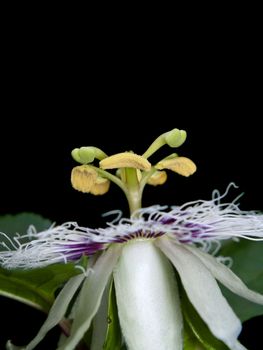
[
  {"x": 203, "y": 223},
  {"x": 216, "y": 194},
  {"x": 226, "y": 260},
  {"x": 81, "y": 268},
  {"x": 116, "y": 212},
  {"x": 9, "y": 240}
]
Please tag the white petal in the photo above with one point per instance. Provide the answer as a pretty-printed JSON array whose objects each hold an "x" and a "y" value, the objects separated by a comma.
[
  {"x": 58, "y": 309},
  {"x": 90, "y": 296},
  {"x": 147, "y": 298},
  {"x": 226, "y": 276},
  {"x": 204, "y": 293},
  {"x": 239, "y": 346}
]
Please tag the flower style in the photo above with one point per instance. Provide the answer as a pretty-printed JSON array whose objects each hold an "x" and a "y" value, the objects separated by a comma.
[{"x": 142, "y": 253}]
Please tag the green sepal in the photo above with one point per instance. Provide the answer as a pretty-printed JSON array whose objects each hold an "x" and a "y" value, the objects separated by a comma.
[
  {"x": 196, "y": 333},
  {"x": 113, "y": 340},
  {"x": 190, "y": 341}
]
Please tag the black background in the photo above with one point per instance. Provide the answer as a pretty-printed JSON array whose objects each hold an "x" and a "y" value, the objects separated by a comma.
[{"x": 119, "y": 94}]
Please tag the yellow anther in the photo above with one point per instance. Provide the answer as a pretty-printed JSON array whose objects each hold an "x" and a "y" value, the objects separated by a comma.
[
  {"x": 83, "y": 178},
  {"x": 101, "y": 186},
  {"x": 125, "y": 160},
  {"x": 158, "y": 178},
  {"x": 181, "y": 165}
]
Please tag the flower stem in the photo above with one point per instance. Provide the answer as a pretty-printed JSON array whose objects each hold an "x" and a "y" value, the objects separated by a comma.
[{"x": 132, "y": 191}]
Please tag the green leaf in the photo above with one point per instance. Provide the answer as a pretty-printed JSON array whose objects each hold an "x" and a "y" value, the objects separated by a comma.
[
  {"x": 113, "y": 334},
  {"x": 13, "y": 224},
  {"x": 33, "y": 287},
  {"x": 36, "y": 287},
  {"x": 197, "y": 335},
  {"x": 248, "y": 265}
]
